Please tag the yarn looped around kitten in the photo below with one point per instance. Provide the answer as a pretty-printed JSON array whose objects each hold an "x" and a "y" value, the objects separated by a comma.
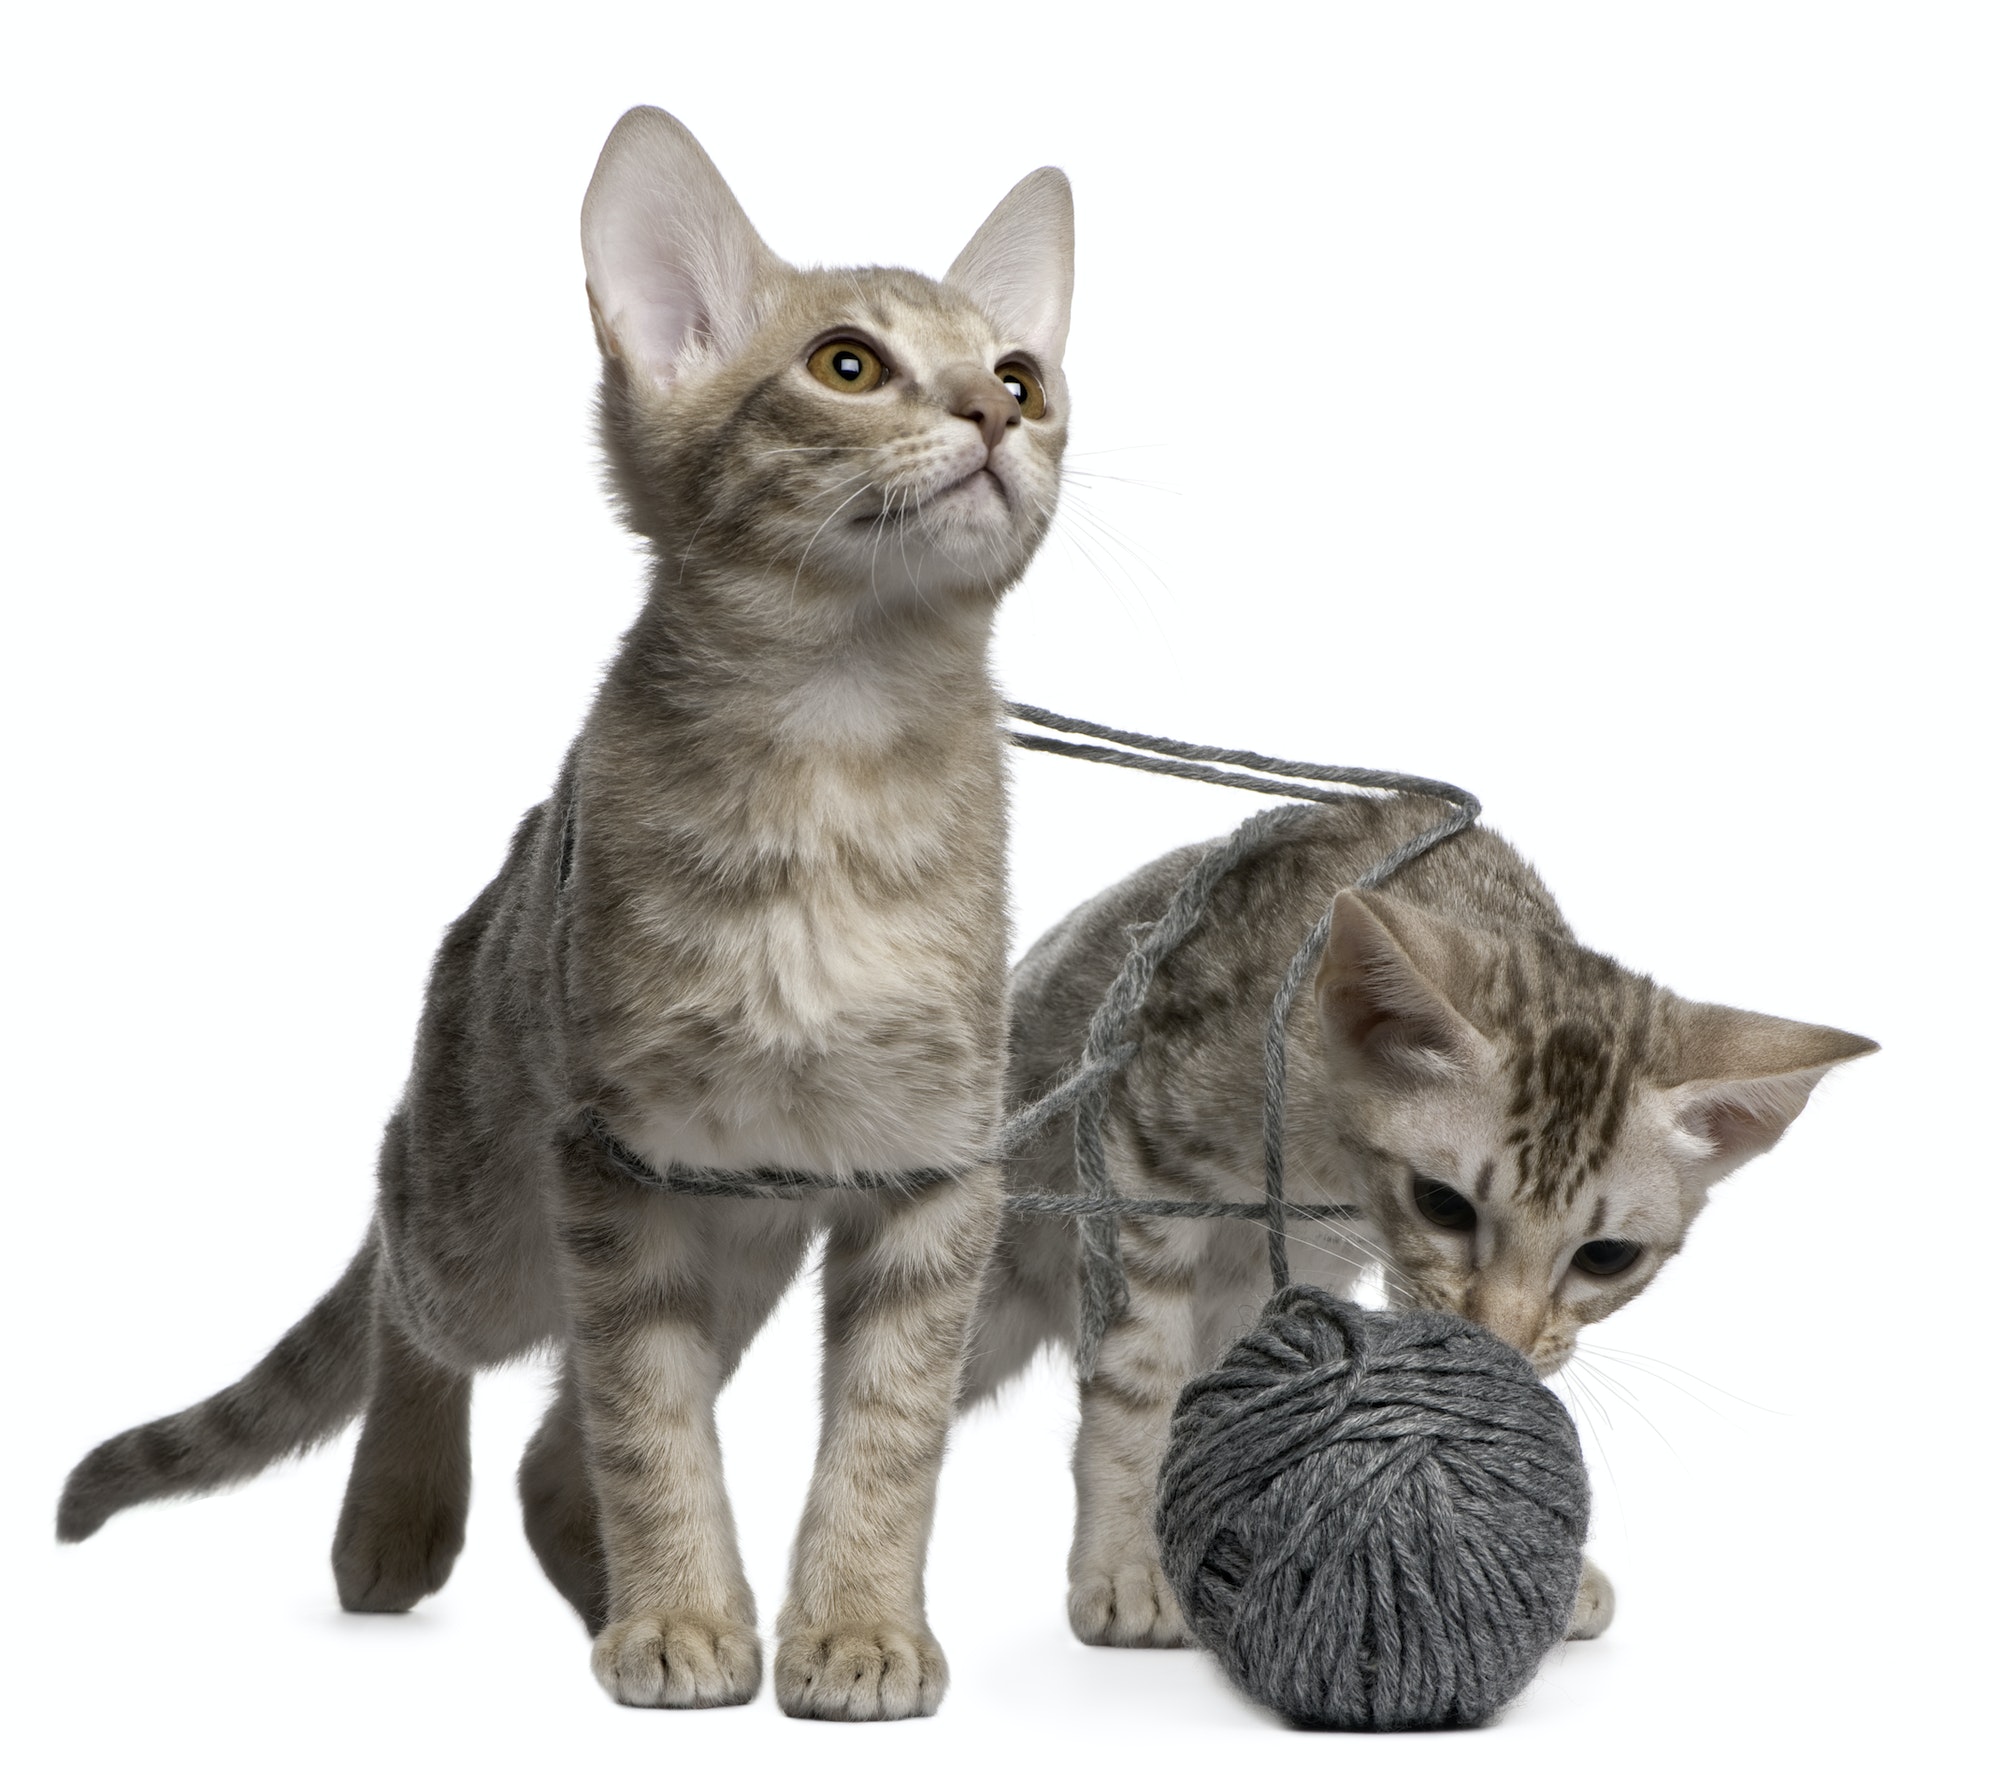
[
  {"x": 1374, "y": 1521},
  {"x": 1098, "y": 1208},
  {"x": 1103, "y": 1295}
]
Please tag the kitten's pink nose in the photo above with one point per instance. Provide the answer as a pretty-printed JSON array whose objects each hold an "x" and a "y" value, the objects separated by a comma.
[{"x": 980, "y": 396}]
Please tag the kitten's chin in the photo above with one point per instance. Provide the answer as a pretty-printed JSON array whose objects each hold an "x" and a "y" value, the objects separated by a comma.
[
  {"x": 964, "y": 544},
  {"x": 939, "y": 583},
  {"x": 982, "y": 488},
  {"x": 974, "y": 511}
]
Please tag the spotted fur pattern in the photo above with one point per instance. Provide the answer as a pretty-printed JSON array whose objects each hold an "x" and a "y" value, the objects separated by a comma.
[
  {"x": 761, "y": 922},
  {"x": 1457, "y": 1035}
]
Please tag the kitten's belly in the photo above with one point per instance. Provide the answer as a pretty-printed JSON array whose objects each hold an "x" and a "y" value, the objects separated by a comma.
[
  {"x": 826, "y": 1037},
  {"x": 825, "y": 1119}
]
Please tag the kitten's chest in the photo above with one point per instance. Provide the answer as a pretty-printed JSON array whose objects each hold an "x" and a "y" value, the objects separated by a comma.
[{"x": 810, "y": 971}]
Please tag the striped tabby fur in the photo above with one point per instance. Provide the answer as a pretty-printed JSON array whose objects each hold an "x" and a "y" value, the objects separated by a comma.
[
  {"x": 1457, "y": 1036},
  {"x": 761, "y": 922}
]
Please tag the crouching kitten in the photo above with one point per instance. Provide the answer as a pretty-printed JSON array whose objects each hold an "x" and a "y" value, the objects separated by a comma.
[{"x": 1526, "y": 1128}]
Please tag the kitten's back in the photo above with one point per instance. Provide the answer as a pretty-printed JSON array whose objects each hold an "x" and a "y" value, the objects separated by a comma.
[{"x": 1256, "y": 919}]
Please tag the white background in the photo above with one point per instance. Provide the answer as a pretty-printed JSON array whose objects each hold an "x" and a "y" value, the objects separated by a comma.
[{"x": 1595, "y": 405}]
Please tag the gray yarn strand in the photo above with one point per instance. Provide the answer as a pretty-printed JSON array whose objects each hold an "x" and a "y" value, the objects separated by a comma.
[
  {"x": 782, "y": 1185},
  {"x": 1087, "y": 1077},
  {"x": 1353, "y": 776},
  {"x": 1103, "y": 1296},
  {"x": 1170, "y": 767},
  {"x": 1174, "y": 1208},
  {"x": 758, "y": 1185}
]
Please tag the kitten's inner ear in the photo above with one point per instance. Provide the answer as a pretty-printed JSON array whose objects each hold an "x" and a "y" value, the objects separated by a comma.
[
  {"x": 670, "y": 259},
  {"x": 1021, "y": 265},
  {"x": 1380, "y": 1002},
  {"x": 1743, "y": 1078}
]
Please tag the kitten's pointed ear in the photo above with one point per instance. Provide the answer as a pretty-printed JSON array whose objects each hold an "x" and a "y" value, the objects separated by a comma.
[
  {"x": 1742, "y": 1078},
  {"x": 670, "y": 259},
  {"x": 1384, "y": 1001},
  {"x": 1021, "y": 265}
]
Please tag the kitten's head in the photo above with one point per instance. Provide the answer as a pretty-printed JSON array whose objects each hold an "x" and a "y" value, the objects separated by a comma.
[
  {"x": 1534, "y": 1126},
  {"x": 856, "y": 439}
]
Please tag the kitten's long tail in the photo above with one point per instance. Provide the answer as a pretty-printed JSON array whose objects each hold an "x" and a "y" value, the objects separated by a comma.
[{"x": 313, "y": 1382}]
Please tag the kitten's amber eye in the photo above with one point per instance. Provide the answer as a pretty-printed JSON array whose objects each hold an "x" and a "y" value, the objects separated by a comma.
[
  {"x": 1443, "y": 1206},
  {"x": 1606, "y": 1257},
  {"x": 848, "y": 365},
  {"x": 1025, "y": 386}
]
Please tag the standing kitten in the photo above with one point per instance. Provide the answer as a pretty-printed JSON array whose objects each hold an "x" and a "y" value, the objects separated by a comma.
[
  {"x": 1526, "y": 1127},
  {"x": 760, "y": 923}
]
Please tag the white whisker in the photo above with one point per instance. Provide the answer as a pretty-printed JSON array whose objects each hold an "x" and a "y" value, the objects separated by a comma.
[
  {"x": 1646, "y": 1364},
  {"x": 1084, "y": 474},
  {"x": 1588, "y": 1417},
  {"x": 828, "y": 519},
  {"x": 1582, "y": 1366},
  {"x": 1350, "y": 1230}
]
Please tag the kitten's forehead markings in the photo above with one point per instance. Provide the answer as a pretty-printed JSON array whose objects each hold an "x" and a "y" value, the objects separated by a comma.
[
  {"x": 1572, "y": 1087},
  {"x": 919, "y": 310},
  {"x": 1483, "y": 1185}
]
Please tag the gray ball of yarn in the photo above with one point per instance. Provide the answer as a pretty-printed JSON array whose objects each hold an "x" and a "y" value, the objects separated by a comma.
[{"x": 1374, "y": 1520}]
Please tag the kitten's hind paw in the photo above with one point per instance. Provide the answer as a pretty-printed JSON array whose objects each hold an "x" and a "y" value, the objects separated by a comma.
[
  {"x": 1596, "y": 1603},
  {"x": 387, "y": 1557},
  {"x": 860, "y": 1671},
  {"x": 678, "y": 1661},
  {"x": 1127, "y": 1604}
]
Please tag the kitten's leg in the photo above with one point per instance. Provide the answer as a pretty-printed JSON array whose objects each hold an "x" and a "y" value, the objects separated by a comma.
[
  {"x": 1596, "y": 1603},
  {"x": 681, "y": 1628},
  {"x": 558, "y": 1499},
  {"x": 663, "y": 1293},
  {"x": 1028, "y": 1300},
  {"x": 559, "y": 1507},
  {"x": 901, "y": 1278},
  {"x": 403, "y": 1521},
  {"x": 1118, "y": 1596}
]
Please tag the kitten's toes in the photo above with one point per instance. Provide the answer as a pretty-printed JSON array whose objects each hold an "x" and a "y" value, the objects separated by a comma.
[
  {"x": 1596, "y": 1603},
  {"x": 678, "y": 1661},
  {"x": 1126, "y": 1604},
  {"x": 860, "y": 1671},
  {"x": 388, "y": 1560}
]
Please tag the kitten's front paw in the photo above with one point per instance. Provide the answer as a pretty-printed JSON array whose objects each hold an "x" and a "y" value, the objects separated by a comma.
[
  {"x": 853, "y": 1670},
  {"x": 1596, "y": 1603},
  {"x": 678, "y": 1661},
  {"x": 1128, "y": 1603}
]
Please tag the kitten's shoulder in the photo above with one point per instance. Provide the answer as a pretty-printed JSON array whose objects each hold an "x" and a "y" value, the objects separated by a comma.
[
  {"x": 1311, "y": 847},
  {"x": 1301, "y": 861},
  {"x": 1056, "y": 985},
  {"x": 1475, "y": 878}
]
